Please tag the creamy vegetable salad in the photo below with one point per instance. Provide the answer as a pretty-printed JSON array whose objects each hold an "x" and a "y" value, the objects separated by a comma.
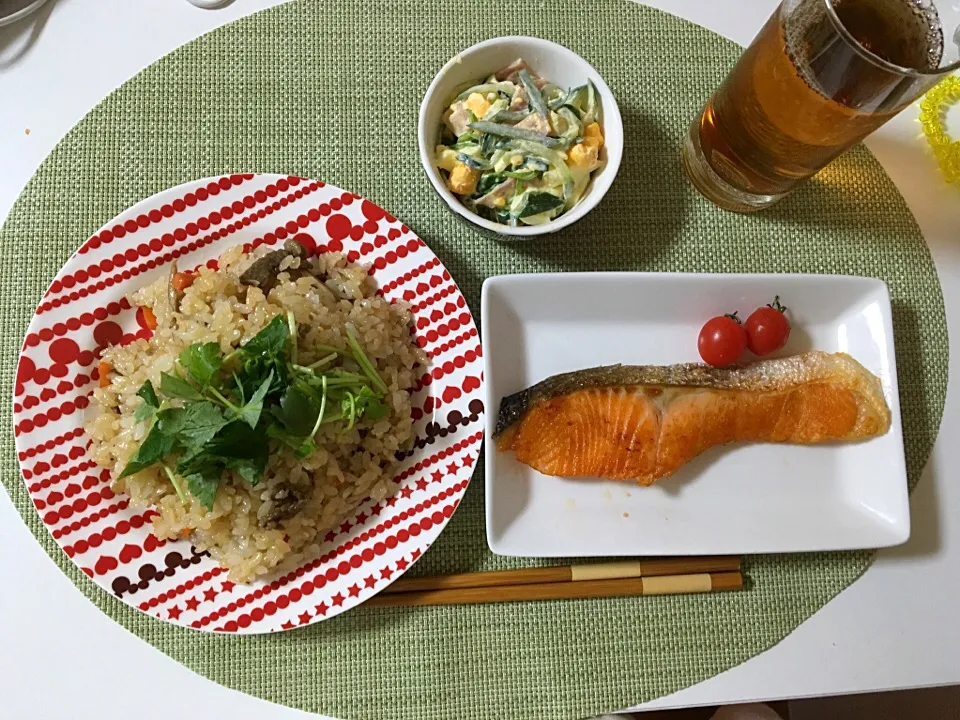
[{"x": 518, "y": 149}]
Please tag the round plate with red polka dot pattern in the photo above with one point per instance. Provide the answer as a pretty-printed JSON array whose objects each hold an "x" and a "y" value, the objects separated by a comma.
[{"x": 86, "y": 309}]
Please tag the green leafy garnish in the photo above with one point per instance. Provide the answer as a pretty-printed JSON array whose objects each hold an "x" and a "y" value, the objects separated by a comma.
[
  {"x": 154, "y": 448},
  {"x": 176, "y": 387},
  {"x": 203, "y": 478},
  {"x": 250, "y": 469},
  {"x": 151, "y": 402},
  {"x": 251, "y": 410},
  {"x": 271, "y": 341},
  {"x": 201, "y": 421},
  {"x": 170, "y": 421},
  {"x": 370, "y": 405},
  {"x": 149, "y": 395},
  {"x": 292, "y": 328},
  {"x": 298, "y": 409},
  {"x": 143, "y": 412},
  {"x": 239, "y": 440},
  {"x": 300, "y": 445},
  {"x": 364, "y": 362},
  {"x": 175, "y": 482},
  {"x": 202, "y": 361},
  {"x": 218, "y": 414},
  {"x": 325, "y": 360}
]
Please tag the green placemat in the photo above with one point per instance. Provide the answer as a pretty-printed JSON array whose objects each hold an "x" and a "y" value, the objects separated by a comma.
[{"x": 330, "y": 90}]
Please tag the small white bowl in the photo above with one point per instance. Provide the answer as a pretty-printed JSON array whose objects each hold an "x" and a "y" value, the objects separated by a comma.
[{"x": 553, "y": 62}]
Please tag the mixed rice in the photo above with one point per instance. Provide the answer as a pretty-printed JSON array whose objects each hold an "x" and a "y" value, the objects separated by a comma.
[{"x": 280, "y": 522}]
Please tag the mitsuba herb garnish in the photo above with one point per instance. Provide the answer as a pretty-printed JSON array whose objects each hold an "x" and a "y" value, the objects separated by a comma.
[{"x": 220, "y": 413}]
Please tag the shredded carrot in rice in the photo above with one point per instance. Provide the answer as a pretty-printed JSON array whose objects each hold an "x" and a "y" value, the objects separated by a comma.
[
  {"x": 149, "y": 318},
  {"x": 182, "y": 280},
  {"x": 103, "y": 371}
]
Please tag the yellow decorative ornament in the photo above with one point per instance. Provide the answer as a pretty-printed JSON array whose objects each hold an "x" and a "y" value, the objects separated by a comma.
[{"x": 933, "y": 111}]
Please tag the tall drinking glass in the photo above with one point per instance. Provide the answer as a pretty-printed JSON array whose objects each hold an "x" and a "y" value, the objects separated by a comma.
[{"x": 820, "y": 76}]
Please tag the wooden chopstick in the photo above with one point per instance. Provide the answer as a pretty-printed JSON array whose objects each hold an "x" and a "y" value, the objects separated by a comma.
[
  {"x": 621, "y": 587},
  {"x": 570, "y": 573}
]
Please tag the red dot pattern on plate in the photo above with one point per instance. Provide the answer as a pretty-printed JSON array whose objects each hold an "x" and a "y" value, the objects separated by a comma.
[
  {"x": 356, "y": 561},
  {"x": 86, "y": 521},
  {"x": 156, "y": 214},
  {"x": 50, "y": 444},
  {"x": 48, "y": 334},
  {"x": 85, "y": 311},
  {"x": 181, "y": 238}
]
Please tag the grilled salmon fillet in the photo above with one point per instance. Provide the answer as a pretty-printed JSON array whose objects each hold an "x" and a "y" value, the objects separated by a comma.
[{"x": 629, "y": 422}]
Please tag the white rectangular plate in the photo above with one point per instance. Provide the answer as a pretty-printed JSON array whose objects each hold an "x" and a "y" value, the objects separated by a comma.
[{"x": 739, "y": 499}]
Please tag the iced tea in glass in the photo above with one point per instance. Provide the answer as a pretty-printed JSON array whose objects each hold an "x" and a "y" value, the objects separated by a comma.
[{"x": 820, "y": 76}]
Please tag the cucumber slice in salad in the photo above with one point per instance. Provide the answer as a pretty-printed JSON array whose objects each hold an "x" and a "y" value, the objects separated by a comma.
[
  {"x": 529, "y": 162},
  {"x": 506, "y": 88},
  {"x": 536, "y": 203}
]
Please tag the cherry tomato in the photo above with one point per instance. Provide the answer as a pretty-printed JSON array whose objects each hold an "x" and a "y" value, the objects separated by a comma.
[
  {"x": 768, "y": 328},
  {"x": 722, "y": 340}
]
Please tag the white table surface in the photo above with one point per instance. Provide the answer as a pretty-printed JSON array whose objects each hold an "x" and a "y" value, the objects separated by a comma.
[{"x": 896, "y": 627}]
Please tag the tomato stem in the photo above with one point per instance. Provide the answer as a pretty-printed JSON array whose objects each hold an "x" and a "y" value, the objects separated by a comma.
[
  {"x": 733, "y": 316},
  {"x": 776, "y": 304}
]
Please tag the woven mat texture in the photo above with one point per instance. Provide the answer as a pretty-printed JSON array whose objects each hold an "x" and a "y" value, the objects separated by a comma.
[{"x": 330, "y": 90}]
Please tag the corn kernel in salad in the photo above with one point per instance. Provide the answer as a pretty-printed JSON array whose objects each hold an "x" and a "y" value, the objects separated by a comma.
[
  {"x": 593, "y": 135},
  {"x": 585, "y": 156},
  {"x": 477, "y": 104},
  {"x": 463, "y": 179}
]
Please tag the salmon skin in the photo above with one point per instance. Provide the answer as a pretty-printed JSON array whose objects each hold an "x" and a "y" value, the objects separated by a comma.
[{"x": 643, "y": 422}]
